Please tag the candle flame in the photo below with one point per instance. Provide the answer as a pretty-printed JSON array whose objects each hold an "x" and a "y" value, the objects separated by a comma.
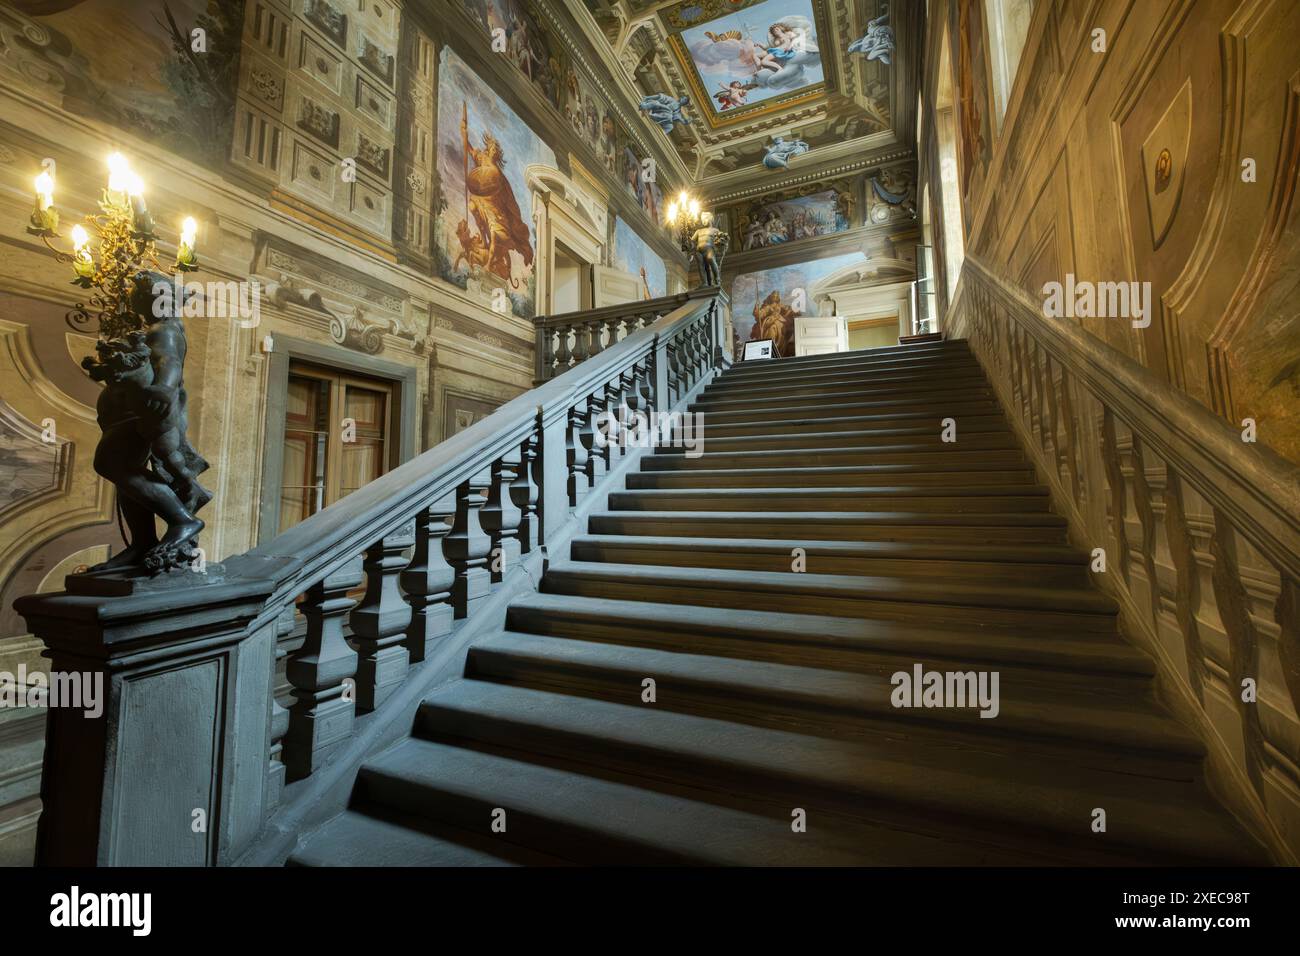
[
  {"x": 45, "y": 189},
  {"x": 189, "y": 230},
  {"x": 135, "y": 184},
  {"x": 80, "y": 238},
  {"x": 119, "y": 173}
]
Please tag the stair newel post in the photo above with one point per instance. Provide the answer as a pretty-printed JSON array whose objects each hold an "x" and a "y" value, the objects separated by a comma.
[
  {"x": 467, "y": 547},
  {"x": 501, "y": 517},
  {"x": 576, "y": 452},
  {"x": 524, "y": 492},
  {"x": 322, "y": 673},
  {"x": 279, "y": 714},
  {"x": 427, "y": 580}
]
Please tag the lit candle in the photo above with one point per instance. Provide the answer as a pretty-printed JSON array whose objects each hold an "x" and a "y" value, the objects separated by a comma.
[
  {"x": 44, "y": 191},
  {"x": 82, "y": 263},
  {"x": 185, "y": 259},
  {"x": 681, "y": 198},
  {"x": 672, "y": 213},
  {"x": 119, "y": 174},
  {"x": 135, "y": 187},
  {"x": 695, "y": 208}
]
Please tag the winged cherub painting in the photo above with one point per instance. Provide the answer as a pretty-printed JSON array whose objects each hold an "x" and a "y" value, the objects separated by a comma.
[{"x": 748, "y": 56}]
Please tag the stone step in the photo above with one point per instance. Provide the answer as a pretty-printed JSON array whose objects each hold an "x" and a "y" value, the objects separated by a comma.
[
  {"x": 981, "y": 499},
  {"x": 356, "y": 838},
  {"x": 1058, "y": 719},
  {"x": 1048, "y": 564},
  {"x": 886, "y": 438},
  {"x": 849, "y": 424},
  {"x": 955, "y": 350},
  {"x": 873, "y": 646},
  {"x": 897, "y": 598},
  {"x": 924, "y": 410},
  {"x": 593, "y": 818},
  {"x": 954, "y": 390},
  {"x": 861, "y": 476},
  {"x": 837, "y": 526},
  {"x": 919, "y": 379},
  {"x": 937, "y": 456},
  {"x": 992, "y": 798}
]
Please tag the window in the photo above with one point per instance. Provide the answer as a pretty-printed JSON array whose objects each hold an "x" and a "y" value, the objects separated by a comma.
[
  {"x": 337, "y": 437},
  {"x": 1008, "y": 25}
]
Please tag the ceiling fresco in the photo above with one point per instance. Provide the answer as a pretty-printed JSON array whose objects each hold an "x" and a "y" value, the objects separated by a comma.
[{"x": 837, "y": 76}]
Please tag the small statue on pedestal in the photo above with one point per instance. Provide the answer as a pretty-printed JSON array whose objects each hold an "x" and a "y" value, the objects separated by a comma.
[
  {"x": 144, "y": 450},
  {"x": 708, "y": 244}
]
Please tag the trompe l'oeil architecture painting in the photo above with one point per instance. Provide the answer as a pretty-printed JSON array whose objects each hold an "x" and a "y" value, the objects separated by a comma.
[{"x": 720, "y": 432}]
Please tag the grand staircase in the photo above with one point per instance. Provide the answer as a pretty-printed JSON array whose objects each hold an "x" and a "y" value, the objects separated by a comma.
[{"x": 826, "y": 539}]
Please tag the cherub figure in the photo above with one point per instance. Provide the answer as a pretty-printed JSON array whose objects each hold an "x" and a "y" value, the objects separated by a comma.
[
  {"x": 878, "y": 42},
  {"x": 143, "y": 449}
]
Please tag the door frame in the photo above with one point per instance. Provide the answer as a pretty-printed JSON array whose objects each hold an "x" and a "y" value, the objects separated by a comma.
[{"x": 285, "y": 349}]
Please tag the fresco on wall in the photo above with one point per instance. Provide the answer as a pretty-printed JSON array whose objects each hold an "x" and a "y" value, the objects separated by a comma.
[
  {"x": 544, "y": 60},
  {"x": 130, "y": 64},
  {"x": 485, "y": 228},
  {"x": 765, "y": 304},
  {"x": 750, "y": 55},
  {"x": 771, "y": 222},
  {"x": 631, "y": 254},
  {"x": 972, "y": 97}
]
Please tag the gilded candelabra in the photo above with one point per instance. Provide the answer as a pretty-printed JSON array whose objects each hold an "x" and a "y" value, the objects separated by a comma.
[
  {"x": 139, "y": 358},
  {"x": 698, "y": 237},
  {"x": 127, "y": 248}
]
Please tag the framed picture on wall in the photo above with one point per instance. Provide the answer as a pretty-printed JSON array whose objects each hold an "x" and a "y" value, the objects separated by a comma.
[{"x": 463, "y": 409}]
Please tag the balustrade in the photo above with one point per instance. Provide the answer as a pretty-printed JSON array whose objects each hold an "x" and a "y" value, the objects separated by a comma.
[{"x": 192, "y": 658}]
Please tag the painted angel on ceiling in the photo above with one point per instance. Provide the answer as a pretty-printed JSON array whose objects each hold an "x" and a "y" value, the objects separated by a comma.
[{"x": 778, "y": 59}]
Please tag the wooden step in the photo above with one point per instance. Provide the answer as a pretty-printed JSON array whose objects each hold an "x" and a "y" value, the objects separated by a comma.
[
  {"x": 355, "y": 838},
  {"x": 935, "y": 457},
  {"x": 920, "y": 378}
]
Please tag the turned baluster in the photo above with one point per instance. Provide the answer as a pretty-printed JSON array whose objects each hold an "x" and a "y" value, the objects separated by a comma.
[
  {"x": 321, "y": 715},
  {"x": 596, "y": 331},
  {"x": 427, "y": 580},
  {"x": 597, "y": 452},
  {"x": 525, "y": 492},
  {"x": 379, "y": 623},
  {"x": 279, "y": 713},
  {"x": 611, "y": 329},
  {"x": 500, "y": 516},
  {"x": 576, "y": 453},
  {"x": 562, "y": 353},
  {"x": 467, "y": 547},
  {"x": 548, "y": 353},
  {"x": 581, "y": 344}
]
